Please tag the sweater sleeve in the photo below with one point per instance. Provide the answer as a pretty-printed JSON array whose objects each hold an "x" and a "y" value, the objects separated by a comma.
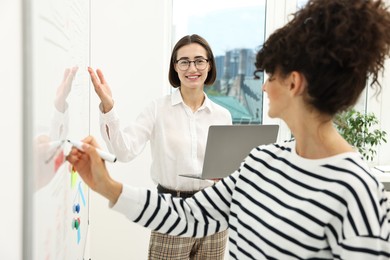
[
  {"x": 206, "y": 213},
  {"x": 365, "y": 233}
]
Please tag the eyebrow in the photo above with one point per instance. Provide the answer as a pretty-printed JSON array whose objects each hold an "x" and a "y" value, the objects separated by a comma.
[{"x": 187, "y": 58}]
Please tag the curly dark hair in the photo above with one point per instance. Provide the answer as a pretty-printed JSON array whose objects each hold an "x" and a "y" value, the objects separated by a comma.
[
  {"x": 337, "y": 45},
  {"x": 186, "y": 40}
]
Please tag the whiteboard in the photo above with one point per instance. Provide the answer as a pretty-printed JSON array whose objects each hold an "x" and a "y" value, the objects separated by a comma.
[{"x": 59, "y": 53}]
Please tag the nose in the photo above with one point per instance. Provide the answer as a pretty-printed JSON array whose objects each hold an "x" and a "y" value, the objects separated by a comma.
[
  {"x": 192, "y": 63},
  {"x": 192, "y": 67}
]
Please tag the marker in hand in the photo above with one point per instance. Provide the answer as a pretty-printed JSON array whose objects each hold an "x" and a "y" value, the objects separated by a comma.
[{"x": 104, "y": 155}]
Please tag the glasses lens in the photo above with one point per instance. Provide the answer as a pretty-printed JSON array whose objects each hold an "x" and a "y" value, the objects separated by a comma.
[
  {"x": 201, "y": 64},
  {"x": 183, "y": 64}
]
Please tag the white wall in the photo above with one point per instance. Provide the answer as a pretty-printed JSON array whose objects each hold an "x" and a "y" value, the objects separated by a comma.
[
  {"x": 278, "y": 13},
  {"x": 11, "y": 126},
  {"x": 380, "y": 106},
  {"x": 131, "y": 44}
]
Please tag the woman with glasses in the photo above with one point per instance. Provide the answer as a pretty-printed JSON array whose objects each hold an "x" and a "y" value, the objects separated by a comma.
[
  {"x": 176, "y": 127},
  {"x": 311, "y": 197}
]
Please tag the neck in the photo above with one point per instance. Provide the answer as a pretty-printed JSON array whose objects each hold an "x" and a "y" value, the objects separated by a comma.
[
  {"x": 193, "y": 99},
  {"x": 317, "y": 138}
]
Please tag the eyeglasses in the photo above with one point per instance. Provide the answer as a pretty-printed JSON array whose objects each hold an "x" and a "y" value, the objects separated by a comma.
[
  {"x": 200, "y": 64},
  {"x": 258, "y": 74}
]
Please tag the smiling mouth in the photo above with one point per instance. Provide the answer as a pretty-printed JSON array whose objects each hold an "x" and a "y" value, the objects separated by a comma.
[{"x": 193, "y": 77}]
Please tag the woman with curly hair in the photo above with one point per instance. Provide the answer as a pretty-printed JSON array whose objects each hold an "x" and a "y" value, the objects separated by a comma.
[{"x": 312, "y": 197}]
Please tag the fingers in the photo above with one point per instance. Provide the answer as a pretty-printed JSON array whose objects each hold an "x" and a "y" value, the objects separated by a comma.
[
  {"x": 66, "y": 73},
  {"x": 69, "y": 73},
  {"x": 89, "y": 147},
  {"x": 94, "y": 79},
  {"x": 91, "y": 151},
  {"x": 91, "y": 141},
  {"x": 102, "y": 89},
  {"x": 74, "y": 156},
  {"x": 75, "y": 69},
  {"x": 101, "y": 76},
  {"x": 83, "y": 159},
  {"x": 73, "y": 72}
]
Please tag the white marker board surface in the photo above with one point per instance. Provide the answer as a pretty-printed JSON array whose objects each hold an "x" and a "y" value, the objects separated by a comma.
[{"x": 57, "y": 42}]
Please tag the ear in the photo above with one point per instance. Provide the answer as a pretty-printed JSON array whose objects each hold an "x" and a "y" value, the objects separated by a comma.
[{"x": 297, "y": 83}]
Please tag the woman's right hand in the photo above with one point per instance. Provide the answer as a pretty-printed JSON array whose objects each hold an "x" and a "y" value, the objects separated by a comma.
[
  {"x": 92, "y": 169},
  {"x": 102, "y": 89}
]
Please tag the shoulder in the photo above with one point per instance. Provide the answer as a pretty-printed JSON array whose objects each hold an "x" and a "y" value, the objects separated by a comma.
[
  {"x": 274, "y": 150},
  {"x": 269, "y": 154},
  {"x": 156, "y": 106},
  {"x": 353, "y": 170},
  {"x": 164, "y": 99},
  {"x": 160, "y": 101},
  {"x": 221, "y": 109}
]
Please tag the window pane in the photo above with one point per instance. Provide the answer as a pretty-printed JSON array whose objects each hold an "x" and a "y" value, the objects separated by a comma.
[{"x": 235, "y": 30}]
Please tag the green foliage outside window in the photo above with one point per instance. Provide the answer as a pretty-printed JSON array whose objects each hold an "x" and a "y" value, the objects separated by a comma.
[{"x": 361, "y": 131}]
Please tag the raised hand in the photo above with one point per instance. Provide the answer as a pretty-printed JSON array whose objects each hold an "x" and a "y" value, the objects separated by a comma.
[
  {"x": 102, "y": 89},
  {"x": 64, "y": 89}
]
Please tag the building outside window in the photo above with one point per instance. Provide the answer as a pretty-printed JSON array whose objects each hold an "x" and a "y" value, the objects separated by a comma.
[{"x": 235, "y": 30}]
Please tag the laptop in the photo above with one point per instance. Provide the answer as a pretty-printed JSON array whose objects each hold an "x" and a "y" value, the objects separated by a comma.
[{"x": 228, "y": 145}]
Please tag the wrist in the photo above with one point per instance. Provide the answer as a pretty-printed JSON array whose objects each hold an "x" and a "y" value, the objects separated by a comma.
[
  {"x": 104, "y": 107},
  {"x": 111, "y": 190},
  {"x": 61, "y": 105}
]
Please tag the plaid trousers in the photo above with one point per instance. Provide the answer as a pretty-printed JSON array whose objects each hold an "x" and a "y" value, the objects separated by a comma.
[{"x": 167, "y": 247}]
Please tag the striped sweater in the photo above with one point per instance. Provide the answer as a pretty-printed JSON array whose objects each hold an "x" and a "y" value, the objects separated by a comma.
[{"x": 278, "y": 205}]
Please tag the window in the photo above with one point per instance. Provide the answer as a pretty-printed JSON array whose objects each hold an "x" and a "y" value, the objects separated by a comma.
[{"x": 235, "y": 31}]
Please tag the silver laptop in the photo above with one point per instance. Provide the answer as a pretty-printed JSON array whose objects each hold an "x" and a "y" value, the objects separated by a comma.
[{"x": 228, "y": 145}]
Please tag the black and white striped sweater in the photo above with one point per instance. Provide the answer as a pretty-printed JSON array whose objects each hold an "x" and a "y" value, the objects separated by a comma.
[{"x": 278, "y": 205}]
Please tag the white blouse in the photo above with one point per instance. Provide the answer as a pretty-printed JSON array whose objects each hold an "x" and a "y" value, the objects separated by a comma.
[{"x": 177, "y": 137}]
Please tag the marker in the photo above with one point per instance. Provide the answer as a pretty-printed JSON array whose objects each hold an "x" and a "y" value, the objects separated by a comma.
[{"x": 104, "y": 155}]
